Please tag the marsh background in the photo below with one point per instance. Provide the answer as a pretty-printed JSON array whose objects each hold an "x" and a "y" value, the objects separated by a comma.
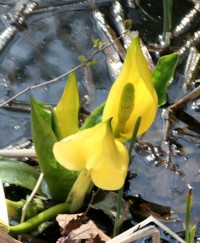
[{"x": 49, "y": 44}]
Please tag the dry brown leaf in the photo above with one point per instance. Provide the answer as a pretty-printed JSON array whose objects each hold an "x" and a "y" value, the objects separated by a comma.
[
  {"x": 75, "y": 231},
  {"x": 64, "y": 219},
  {"x": 5, "y": 238},
  {"x": 69, "y": 222}
]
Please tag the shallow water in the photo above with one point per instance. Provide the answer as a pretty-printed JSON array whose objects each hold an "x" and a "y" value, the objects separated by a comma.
[{"x": 50, "y": 45}]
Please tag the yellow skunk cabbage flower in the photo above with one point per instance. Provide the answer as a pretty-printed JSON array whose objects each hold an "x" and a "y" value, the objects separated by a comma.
[
  {"x": 132, "y": 95},
  {"x": 95, "y": 150},
  {"x": 68, "y": 107}
]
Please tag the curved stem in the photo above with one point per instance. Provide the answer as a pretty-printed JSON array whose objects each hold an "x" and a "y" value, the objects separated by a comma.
[
  {"x": 73, "y": 203},
  {"x": 39, "y": 219},
  {"x": 79, "y": 190}
]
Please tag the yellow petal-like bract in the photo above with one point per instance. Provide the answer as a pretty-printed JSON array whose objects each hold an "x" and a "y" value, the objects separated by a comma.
[
  {"x": 96, "y": 150},
  {"x": 132, "y": 95},
  {"x": 68, "y": 107}
]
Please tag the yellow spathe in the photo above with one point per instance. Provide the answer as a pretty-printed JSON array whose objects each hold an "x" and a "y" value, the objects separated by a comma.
[
  {"x": 68, "y": 107},
  {"x": 132, "y": 95},
  {"x": 96, "y": 150}
]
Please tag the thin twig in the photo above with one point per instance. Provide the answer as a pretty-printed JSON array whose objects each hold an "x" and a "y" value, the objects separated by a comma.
[
  {"x": 191, "y": 96},
  {"x": 177, "y": 106},
  {"x": 25, "y": 207},
  {"x": 90, "y": 204},
  {"x": 167, "y": 130},
  {"x": 18, "y": 153},
  {"x": 83, "y": 64}
]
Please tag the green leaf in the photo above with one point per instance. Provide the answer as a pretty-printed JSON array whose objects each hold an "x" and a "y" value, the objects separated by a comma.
[
  {"x": 58, "y": 179},
  {"x": 55, "y": 124},
  {"x": 107, "y": 202},
  {"x": 68, "y": 108},
  {"x": 188, "y": 215},
  {"x": 94, "y": 118},
  {"x": 192, "y": 233},
  {"x": 19, "y": 173},
  {"x": 82, "y": 58},
  {"x": 97, "y": 43},
  {"x": 162, "y": 74}
]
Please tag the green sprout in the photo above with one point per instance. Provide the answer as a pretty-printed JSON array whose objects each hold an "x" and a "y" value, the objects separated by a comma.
[{"x": 189, "y": 229}]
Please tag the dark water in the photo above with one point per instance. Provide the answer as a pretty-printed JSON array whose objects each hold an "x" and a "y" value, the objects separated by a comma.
[{"x": 50, "y": 45}]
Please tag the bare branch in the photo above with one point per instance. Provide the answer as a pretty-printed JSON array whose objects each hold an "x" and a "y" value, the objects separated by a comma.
[
  {"x": 83, "y": 64},
  {"x": 191, "y": 96},
  {"x": 177, "y": 106}
]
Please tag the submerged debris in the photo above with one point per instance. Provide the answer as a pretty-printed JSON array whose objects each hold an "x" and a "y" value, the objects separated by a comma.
[
  {"x": 187, "y": 21},
  {"x": 192, "y": 66}
]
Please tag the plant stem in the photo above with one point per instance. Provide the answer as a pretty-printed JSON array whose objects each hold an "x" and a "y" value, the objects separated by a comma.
[
  {"x": 32, "y": 223},
  {"x": 118, "y": 222},
  {"x": 188, "y": 212},
  {"x": 134, "y": 135},
  {"x": 79, "y": 190},
  {"x": 119, "y": 208},
  {"x": 167, "y": 8},
  {"x": 74, "y": 201}
]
